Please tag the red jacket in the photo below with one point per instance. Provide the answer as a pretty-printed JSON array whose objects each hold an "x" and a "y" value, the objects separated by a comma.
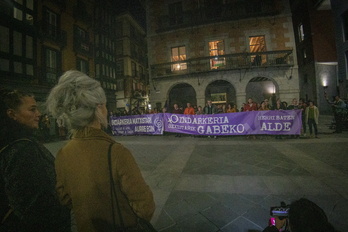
[
  {"x": 251, "y": 107},
  {"x": 189, "y": 110}
]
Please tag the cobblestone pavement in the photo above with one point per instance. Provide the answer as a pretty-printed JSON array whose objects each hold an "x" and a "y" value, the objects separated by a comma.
[{"x": 228, "y": 184}]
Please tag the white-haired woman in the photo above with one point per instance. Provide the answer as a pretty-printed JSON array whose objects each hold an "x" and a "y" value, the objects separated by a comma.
[{"x": 82, "y": 164}]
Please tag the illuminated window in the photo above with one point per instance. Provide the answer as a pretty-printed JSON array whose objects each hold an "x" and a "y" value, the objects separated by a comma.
[
  {"x": 300, "y": 32},
  {"x": 17, "y": 14},
  {"x": 178, "y": 54},
  {"x": 218, "y": 98},
  {"x": 30, "y": 4},
  {"x": 257, "y": 44},
  {"x": 216, "y": 48}
]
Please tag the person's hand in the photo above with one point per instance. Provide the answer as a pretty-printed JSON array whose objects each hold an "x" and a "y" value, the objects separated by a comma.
[{"x": 279, "y": 223}]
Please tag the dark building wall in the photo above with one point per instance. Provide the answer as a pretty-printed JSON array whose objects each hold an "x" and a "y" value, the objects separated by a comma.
[
  {"x": 323, "y": 36},
  {"x": 340, "y": 8}
]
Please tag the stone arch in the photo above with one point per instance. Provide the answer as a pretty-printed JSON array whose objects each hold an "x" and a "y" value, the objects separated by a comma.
[
  {"x": 220, "y": 92},
  {"x": 261, "y": 87},
  {"x": 181, "y": 93}
]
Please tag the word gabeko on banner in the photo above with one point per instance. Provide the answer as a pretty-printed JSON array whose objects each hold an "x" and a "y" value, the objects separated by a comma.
[{"x": 282, "y": 122}]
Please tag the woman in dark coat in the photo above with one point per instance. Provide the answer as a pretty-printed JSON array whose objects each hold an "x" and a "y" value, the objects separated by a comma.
[{"x": 28, "y": 200}]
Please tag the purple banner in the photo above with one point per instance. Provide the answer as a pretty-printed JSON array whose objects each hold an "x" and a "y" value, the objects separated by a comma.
[
  {"x": 282, "y": 122},
  {"x": 272, "y": 122},
  {"x": 137, "y": 124}
]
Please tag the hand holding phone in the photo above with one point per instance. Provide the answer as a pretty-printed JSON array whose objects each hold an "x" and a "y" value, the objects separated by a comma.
[{"x": 279, "y": 223}]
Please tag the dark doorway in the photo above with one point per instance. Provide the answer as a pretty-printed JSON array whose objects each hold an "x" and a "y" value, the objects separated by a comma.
[{"x": 182, "y": 94}]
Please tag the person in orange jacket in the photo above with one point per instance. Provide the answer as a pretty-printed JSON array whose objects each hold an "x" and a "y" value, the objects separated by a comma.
[{"x": 189, "y": 109}]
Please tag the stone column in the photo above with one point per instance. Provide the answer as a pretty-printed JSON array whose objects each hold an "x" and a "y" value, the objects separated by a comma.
[{"x": 240, "y": 99}]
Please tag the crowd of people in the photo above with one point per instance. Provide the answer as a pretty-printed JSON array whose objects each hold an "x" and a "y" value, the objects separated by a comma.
[
  {"x": 38, "y": 191},
  {"x": 310, "y": 112},
  {"x": 310, "y": 115}
]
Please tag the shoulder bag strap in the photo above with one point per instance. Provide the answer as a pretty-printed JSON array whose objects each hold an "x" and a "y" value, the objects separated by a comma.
[
  {"x": 113, "y": 194},
  {"x": 18, "y": 140}
]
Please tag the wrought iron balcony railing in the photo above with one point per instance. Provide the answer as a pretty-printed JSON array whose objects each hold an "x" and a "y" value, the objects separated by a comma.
[
  {"x": 224, "y": 62},
  {"x": 83, "y": 47},
  {"x": 52, "y": 33}
]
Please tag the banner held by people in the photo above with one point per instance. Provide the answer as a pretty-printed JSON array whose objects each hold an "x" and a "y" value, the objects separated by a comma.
[{"x": 280, "y": 122}]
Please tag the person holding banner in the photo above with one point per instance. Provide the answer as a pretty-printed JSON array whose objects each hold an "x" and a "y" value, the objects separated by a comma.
[
  {"x": 189, "y": 109},
  {"x": 250, "y": 106},
  {"x": 231, "y": 108},
  {"x": 210, "y": 109},
  {"x": 302, "y": 106},
  {"x": 267, "y": 103},
  {"x": 199, "y": 110},
  {"x": 263, "y": 106},
  {"x": 279, "y": 106},
  {"x": 177, "y": 110}
]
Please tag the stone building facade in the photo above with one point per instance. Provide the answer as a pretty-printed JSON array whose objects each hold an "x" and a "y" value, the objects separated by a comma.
[
  {"x": 316, "y": 50},
  {"x": 132, "y": 72},
  {"x": 226, "y": 51},
  {"x": 340, "y": 14}
]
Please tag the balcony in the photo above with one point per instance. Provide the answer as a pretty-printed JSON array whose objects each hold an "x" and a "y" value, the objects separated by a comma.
[
  {"x": 213, "y": 13},
  {"x": 52, "y": 33},
  {"x": 283, "y": 58},
  {"x": 83, "y": 47}
]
